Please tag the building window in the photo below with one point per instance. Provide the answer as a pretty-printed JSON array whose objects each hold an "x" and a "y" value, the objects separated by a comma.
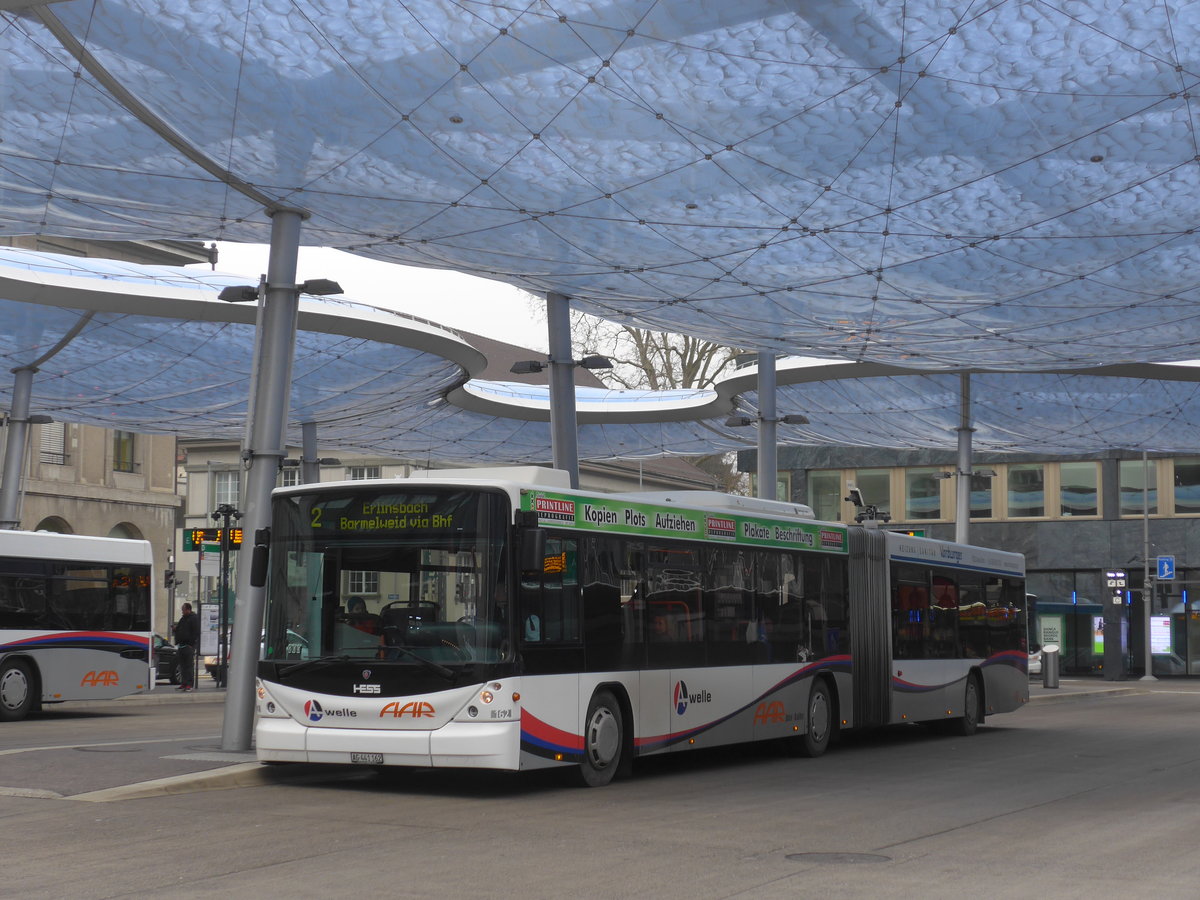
[
  {"x": 52, "y": 444},
  {"x": 226, "y": 487},
  {"x": 1187, "y": 486},
  {"x": 1078, "y": 489},
  {"x": 825, "y": 494},
  {"x": 289, "y": 477},
  {"x": 363, "y": 582},
  {"x": 922, "y": 494},
  {"x": 876, "y": 487},
  {"x": 981, "y": 496},
  {"x": 361, "y": 473},
  {"x": 1135, "y": 475},
  {"x": 1026, "y": 491},
  {"x": 123, "y": 459}
]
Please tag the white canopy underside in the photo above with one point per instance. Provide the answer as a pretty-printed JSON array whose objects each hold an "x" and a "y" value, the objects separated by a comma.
[{"x": 920, "y": 183}]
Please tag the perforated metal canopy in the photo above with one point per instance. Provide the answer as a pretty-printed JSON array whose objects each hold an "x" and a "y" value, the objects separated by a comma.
[
  {"x": 921, "y": 183},
  {"x": 156, "y": 352}
]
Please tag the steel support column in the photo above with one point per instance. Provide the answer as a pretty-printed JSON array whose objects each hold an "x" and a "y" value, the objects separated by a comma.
[
  {"x": 268, "y": 409},
  {"x": 14, "y": 448},
  {"x": 310, "y": 464},
  {"x": 563, "y": 435},
  {"x": 768, "y": 425},
  {"x": 962, "y": 485}
]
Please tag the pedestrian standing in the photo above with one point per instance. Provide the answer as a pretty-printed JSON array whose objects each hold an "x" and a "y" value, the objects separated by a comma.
[{"x": 187, "y": 637}]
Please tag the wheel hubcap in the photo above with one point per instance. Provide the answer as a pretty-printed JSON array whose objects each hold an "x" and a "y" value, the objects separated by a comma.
[
  {"x": 14, "y": 688},
  {"x": 818, "y": 718},
  {"x": 604, "y": 738}
]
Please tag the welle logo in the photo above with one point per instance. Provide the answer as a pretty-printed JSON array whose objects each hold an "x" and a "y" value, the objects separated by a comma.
[{"x": 682, "y": 698}]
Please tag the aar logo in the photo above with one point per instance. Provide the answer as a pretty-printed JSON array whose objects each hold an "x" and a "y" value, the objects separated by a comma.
[{"x": 107, "y": 678}]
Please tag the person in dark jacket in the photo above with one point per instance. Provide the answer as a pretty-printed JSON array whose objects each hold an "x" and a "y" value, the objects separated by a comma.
[{"x": 187, "y": 638}]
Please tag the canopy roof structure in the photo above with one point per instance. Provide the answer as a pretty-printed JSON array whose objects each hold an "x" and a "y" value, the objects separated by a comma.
[
  {"x": 157, "y": 352},
  {"x": 924, "y": 184},
  {"x": 152, "y": 349}
]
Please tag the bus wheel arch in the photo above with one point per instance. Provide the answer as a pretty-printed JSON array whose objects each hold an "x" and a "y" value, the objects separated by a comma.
[
  {"x": 607, "y": 736},
  {"x": 19, "y": 688}
]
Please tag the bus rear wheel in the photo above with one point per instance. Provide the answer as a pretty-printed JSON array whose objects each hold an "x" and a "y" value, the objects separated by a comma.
[
  {"x": 968, "y": 723},
  {"x": 818, "y": 729},
  {"x": 603, "y": 740},
  {"x": 16, "y": 690}
]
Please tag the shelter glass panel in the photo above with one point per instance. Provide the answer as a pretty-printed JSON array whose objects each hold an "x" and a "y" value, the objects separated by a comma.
[
  {"x": 1187, "y": 486},
  {"x": 1136, "y": 474},
  {"x": 922, "y": 494},
  {"x": 1026, "y": 491},
  {"x": 1078, "y": 489},
  {"x": 825, "y": 494}
]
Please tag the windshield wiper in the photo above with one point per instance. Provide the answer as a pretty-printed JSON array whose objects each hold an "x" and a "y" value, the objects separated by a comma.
[{"x": 444, "y": 671}]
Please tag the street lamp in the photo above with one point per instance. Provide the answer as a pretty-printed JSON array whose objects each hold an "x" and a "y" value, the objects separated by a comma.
[
  {"x": 533, "y": 366},
  {"x": 224, "y": 514},
  {"x": 738, "y": 420}
]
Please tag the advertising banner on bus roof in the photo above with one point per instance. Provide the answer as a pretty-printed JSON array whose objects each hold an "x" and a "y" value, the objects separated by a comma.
[{"x": 629, "y": 517}]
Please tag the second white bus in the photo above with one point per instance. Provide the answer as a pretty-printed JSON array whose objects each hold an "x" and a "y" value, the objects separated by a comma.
[{"x": 75, "y": 619}]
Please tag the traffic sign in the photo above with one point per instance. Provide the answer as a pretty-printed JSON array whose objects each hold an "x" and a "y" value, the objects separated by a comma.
[{"x": 1166, "y": 568}]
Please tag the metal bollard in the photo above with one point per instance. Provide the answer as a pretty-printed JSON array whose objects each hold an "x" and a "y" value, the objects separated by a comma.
[{"x": 1050, "y": 666}]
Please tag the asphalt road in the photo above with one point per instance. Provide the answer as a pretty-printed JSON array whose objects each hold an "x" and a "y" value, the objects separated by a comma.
[{"x": 1096, "y": 798}]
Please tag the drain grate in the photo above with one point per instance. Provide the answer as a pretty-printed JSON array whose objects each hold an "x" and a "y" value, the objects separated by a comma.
[{"x": 842, "y": 859}]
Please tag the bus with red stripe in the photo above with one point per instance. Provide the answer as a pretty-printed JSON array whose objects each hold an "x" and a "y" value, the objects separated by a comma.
[
  {"x": 75, "y": 619},
  {"x": 499, "y": 619}
]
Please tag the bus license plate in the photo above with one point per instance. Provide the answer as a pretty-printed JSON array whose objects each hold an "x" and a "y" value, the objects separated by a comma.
[{"x": 367, "y": 759}]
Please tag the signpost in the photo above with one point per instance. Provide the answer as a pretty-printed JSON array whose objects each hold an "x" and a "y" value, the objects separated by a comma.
[{"x": 1166, "y": 568}]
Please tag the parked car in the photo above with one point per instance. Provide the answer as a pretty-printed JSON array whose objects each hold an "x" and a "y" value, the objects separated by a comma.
[
  {"x": 166, "y": 658},
  {"x": 1035, "y": 662}
]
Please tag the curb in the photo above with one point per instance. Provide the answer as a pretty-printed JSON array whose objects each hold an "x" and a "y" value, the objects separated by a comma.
[
  {"x": 1055, "y": 697},
  {"x": 248, "y": 774}
]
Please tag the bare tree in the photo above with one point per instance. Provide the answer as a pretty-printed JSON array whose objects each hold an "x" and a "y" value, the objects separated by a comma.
[
  {"x": 650, "y": 360},
  {"x": 653, "y": 360}
]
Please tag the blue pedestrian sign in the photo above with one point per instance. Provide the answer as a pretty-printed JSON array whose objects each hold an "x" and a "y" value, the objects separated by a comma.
[{"x": 1166, "y": 568}]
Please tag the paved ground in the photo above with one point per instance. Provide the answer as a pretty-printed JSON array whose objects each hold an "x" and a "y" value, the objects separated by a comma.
[
  {"x": 195, "y": 760},
  {"x": 1091, "y": 793}
]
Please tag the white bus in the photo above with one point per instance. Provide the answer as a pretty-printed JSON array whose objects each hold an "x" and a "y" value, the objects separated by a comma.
[
  {"x": 75, "y": 619},
  {"x": 465, "y": 620}
]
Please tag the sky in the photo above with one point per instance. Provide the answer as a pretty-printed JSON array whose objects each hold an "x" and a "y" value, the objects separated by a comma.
[{"x": 465, "y": 302}]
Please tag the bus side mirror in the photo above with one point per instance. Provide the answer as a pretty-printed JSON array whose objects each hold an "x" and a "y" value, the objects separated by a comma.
[
  {"x": 260, "y": 558},
  {"x": 533, "y": 549}
]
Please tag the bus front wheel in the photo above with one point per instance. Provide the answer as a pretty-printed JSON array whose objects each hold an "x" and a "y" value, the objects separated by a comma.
[
  {"x": 603, "y": 740},
  {"x": 818, "y": 729},
  {"x": 16, "y": 690}
]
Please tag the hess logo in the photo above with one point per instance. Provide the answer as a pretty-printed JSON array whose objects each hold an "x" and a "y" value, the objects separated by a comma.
[
  {"x": 418, "y": 709},
  {"x": 107, "y": 678}
]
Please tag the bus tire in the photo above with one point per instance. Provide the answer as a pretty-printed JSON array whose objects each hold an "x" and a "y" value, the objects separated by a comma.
[
  {"x": 968, "y": 723},
  {"x": 819, "y": 723},
  {"x": 17, "y": 689},
  {"x": 603, "y": 740}
]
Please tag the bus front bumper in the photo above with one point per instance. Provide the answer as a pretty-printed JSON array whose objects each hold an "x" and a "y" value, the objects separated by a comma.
[{"x": 470, "y": 745}]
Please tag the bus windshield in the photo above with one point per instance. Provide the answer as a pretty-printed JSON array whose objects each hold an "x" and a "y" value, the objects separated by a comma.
[{"x": 402, "y": 574}]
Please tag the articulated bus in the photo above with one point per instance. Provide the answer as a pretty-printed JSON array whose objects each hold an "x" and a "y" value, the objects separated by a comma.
[
  {"x": 501, "y": 620},
  {"x": 75, "y": 619}
]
